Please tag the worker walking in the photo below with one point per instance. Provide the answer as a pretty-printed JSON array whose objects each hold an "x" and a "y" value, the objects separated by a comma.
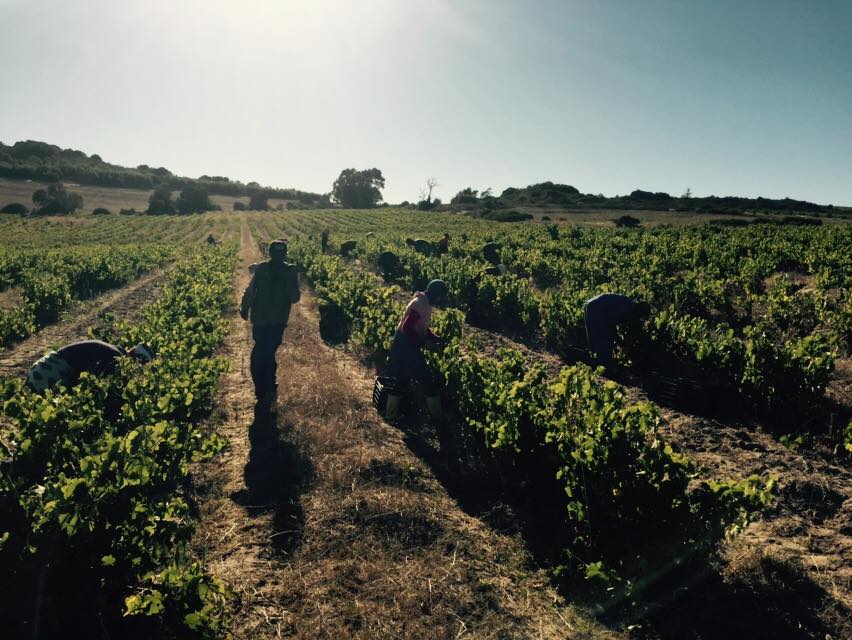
[
  {"x": 406, "y": 361},
  {"x": 603, "y": 314},
  {"x": 64, "y": 365},
  {"x": 267, "y": 300}
]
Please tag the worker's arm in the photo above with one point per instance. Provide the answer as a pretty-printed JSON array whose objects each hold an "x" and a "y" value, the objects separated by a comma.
[
  {"x": 293, "y": 278},
  {"x": 248, "y": 299}
]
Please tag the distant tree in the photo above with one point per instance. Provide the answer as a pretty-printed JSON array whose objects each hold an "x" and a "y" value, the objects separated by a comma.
[
  {"x": 239, "y": 205},
  {"x": 259, "y": 201},
  {"x": 466, "y": 196},
  {"x": 56, "y": 199},
  {"x": 490, "y": 203},
  {"x": 160, "y": 201},
  {"x": 194, "y": 199},
  {"x": 355, "y": 189},
  {"x": 16, "y": 208},
  {"x": 101, "y": 211},
  {"x": 431, "y": 183}
]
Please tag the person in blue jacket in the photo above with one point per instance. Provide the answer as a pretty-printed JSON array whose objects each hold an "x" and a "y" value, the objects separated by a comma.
[{"x": 603, "y": 314}]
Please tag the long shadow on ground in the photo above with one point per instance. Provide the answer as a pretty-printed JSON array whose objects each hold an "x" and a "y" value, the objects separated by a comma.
[
  {"x": 761, "y": 598},
  {"x": 278, "y": 471}
]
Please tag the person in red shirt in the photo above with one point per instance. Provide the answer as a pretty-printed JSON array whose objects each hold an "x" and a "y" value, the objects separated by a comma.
[{"x": 406, "y": 361}]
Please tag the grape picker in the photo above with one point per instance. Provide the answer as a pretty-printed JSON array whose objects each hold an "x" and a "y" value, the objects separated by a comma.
[
  {"x": 603, "y": 314},
  {"x": 64, "y": 366},
  {"x": 273, "y": 289},
  {"x": 406, "y": 361}
]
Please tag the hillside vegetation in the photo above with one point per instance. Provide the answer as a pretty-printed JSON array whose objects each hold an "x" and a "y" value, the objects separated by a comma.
[{"x": 33, "y": 160}]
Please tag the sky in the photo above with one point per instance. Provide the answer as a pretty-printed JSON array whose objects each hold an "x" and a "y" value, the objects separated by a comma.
[{"x": 748, "y": 97}]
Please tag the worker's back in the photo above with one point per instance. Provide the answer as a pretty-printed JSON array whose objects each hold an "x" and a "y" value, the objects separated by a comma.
[
  {"x": 67, "y": 363},
  {"x": 608, "y": 307},
  {"x": 276, "y": 289}
]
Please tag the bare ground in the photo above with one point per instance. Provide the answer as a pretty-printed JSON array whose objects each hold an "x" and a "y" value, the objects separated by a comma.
[
  {"x": 803, "y": 540},
  {"x": 124, "y": 303},
  {"x": 802, "y": 543},
  {"x": 328, "y": 526},
  {"x": 793, "y": 563}
]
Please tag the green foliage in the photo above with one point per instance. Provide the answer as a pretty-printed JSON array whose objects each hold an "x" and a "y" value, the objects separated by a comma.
[
  {"x": 160, "y": 201},
  {"x": 507, "y": 216},
  {"x": 193, "y": 199},
  {"x": 56, "y": 199},
  {"x": 50, "y": 280},
  {"x": 92, "y": 472},
  {"x": 259, "y": 201},
  {"x": 15, "y": 208},
  {"x": 629, "y": 505},
  {"x": 627, "y": 221},
  {"x": 355, "y": 189},
  {"x": 46, "y": 162}
]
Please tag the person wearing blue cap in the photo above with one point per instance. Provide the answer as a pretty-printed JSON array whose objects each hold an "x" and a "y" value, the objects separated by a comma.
[{"x": 406, "y": 361}]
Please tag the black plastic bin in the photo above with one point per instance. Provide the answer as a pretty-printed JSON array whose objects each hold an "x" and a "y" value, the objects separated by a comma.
[{"x": 381, "y": 388}]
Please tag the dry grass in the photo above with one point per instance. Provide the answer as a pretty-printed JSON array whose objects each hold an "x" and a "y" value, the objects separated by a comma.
[
  {"x": 11, "y": 299},
  {"x": 328, "y": 526}
]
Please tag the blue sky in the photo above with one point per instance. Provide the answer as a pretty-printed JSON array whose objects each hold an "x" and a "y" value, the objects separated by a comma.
[{"x": 727, "y": 98}]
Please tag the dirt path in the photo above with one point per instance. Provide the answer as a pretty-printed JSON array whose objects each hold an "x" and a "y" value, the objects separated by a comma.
[
  {"x": 75, "y": 322},
  {"x": 328, "y": 526}
]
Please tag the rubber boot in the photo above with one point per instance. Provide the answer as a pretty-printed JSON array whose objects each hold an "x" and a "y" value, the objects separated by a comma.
[{"x": 392, "y": 407}]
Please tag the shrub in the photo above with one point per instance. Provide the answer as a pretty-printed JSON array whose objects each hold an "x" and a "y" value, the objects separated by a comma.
[
  {"x": 101, "y": 211},
  {"x": 56, "y": 199},
  {"x": 507, "y": 216},
  {"x": 194, "y": 200},
  {"x": 127, "y": 212},
  {"x": 239, "y": 205},
  {"x": 160, "y": 201},
  {"x": 16, "y": 208},
  {"x": 259, "y": 201},
  {"x": 627, "y": 221}
]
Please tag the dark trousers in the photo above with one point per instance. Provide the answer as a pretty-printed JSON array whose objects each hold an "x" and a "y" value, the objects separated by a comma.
[{"x": 267, "y": 339}]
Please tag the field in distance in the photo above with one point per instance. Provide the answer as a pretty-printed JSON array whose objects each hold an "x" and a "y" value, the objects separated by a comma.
[{"x": 112, "y": 198}]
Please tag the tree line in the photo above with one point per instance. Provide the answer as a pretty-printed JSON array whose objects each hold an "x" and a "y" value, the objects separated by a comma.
[{"x": 34, "y": 160}]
